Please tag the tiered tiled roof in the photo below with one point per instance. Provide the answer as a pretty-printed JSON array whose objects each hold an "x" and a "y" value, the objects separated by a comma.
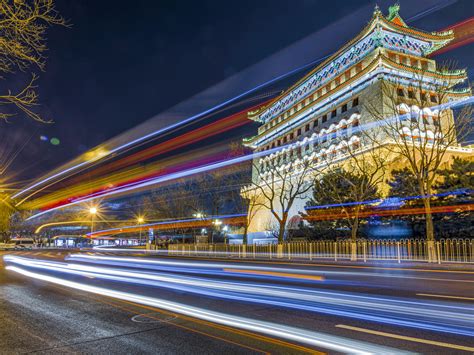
[{"x": 389, "y": 32}]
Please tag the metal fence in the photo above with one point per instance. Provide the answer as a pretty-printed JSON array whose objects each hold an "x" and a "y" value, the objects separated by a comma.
[{"x": 447, "y": 250}]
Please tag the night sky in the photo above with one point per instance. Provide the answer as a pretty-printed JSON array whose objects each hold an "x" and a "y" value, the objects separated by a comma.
[{"x": 123, "y": 62}]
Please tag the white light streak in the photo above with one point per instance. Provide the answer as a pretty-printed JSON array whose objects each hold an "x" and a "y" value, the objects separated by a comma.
[{"x": 299, "y": 335}]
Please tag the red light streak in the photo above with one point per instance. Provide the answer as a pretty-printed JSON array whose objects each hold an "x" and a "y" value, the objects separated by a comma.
[
  {"x": 463, "y": 35},
  {"x": 323, "y": 215}
]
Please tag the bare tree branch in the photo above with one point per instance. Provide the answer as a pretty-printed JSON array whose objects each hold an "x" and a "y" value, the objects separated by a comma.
[{"x": 23, "y": 26}]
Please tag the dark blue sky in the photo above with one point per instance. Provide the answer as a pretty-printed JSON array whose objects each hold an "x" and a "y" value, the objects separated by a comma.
[{"x": 123, "y": 62}]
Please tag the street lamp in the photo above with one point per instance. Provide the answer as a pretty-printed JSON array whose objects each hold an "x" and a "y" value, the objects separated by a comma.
[
  {"x": 225, "y": 229},
  {"x": 197, "y": 215},
  {"x": 217, "y": 223},
  {"x": 140, "y": 220},
  {"x": 93, "y": 212}
]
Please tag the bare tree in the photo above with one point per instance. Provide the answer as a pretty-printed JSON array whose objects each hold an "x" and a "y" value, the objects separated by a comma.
[
  {"x": 419, "y": 128},
  {"x": 279, "y": 185},
  {"x": 6, "y": 211},
  {"x": 23, "y": 26},
  {"x": 356, "y": 178},
  {"x": 250, "y": 199}
]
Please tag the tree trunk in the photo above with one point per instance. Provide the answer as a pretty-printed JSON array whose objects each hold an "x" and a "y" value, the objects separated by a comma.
[
  {"x": 281, "y": 231},
  {"x": 431, "y": 250},
  {"x": 354, "y": 230},
  {"x": 244, "y": 237}
]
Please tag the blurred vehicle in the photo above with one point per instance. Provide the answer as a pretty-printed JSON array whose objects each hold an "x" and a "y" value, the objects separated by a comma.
[
  {"x": 23, "y": 243},
  {"x": 7, "y": 246},
  {"x": 259, "y": 238}
]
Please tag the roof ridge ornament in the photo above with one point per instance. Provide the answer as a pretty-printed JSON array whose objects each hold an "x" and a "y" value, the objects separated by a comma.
[
  {"x": 394, "y": 16},
  {"x": 377, "y": 10},
  {"x": 393, "y": 11}
]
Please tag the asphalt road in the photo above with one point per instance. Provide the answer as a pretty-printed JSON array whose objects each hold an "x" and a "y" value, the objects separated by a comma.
[{"x": 127, "y": 303}]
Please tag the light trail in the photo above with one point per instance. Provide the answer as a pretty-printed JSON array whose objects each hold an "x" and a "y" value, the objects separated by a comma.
[
  {"x": 132, "y": 175},
  {"x": 88, "y": 221},
  {"x": 240, "y": 159},
  {"x": 199, "y": 267},
  {"x": 312, "y": 338},
  {"x": 463, "y": 35},
  {"x": 240, "y": 218},
  {"x": 421, "y": 315},
  {"x": 117, "y": 177},
  {"x": 391, "y": 212},
  {"x": 169, "y": 224},
  {"x": 380, "y": 200},
  {"x": 171, "y": 127}
]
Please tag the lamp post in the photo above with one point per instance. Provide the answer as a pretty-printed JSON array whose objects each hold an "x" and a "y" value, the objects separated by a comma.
[
  {"x": 225, "y": 229},
  {"x": 200, "y": 216},
  {"x": 93, "y": 212},
  {"x": 140, "y": 220},
  {"x": 217, "y": 223}
]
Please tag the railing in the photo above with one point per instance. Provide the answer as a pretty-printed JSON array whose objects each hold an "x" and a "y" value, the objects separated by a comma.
[{"x": 445, "y": 250}]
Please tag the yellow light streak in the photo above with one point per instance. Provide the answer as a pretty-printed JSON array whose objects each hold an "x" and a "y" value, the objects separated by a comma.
[
  {"x": 403, "y": 337},
  {"x": 279, "y": 274},
  {"x": 445, "y": 296},
  {"x": 40, "y": 228}
]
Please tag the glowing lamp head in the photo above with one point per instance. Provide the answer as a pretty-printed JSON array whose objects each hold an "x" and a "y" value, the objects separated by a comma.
[
  {"x": 140, "y": 220},
  {"x": 93, "y": 210}
]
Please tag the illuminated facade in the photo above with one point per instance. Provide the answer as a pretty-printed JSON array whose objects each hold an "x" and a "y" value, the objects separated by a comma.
[{"x": 317, "y": 118}]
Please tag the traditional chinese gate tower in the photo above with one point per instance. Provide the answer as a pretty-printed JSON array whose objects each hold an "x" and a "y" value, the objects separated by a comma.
[{"x": 325, "y": 106}]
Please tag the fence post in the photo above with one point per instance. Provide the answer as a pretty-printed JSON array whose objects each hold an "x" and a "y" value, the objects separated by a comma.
[
  {"x": 254, "y": 251},
  {"x": 335, "y": 251},
  {"x": 270, "y": 250},
  {"x": 289, "y": 251},
  {"x": 310, "y": 251},
  {"x": 438, "y": 252},
  {"x": 398, "y": 251},
  {"x": 364, "y": 247}
]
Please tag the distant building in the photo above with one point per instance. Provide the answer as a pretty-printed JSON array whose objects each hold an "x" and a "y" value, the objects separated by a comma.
[{"x": 316, "y": 117}]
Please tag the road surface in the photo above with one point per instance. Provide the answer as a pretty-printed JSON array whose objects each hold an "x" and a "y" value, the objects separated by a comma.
[{"x": 54, "y": 301}]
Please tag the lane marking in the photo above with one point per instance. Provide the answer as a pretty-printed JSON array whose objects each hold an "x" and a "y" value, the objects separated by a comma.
[
  {"x": 403, "y": 337},
  {"x": 424, "y": 278},
  {"x": 445, "y": 296},
  {"x": 275, "y": 273}
]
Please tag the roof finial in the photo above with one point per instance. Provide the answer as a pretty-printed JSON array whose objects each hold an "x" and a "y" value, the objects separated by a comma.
[{"x": 377, "y": 9}]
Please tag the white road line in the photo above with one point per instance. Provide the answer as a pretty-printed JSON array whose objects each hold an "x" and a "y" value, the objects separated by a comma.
[
  {"x": 403, "y": 337},
  {"x": 446, "y": 296}
]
